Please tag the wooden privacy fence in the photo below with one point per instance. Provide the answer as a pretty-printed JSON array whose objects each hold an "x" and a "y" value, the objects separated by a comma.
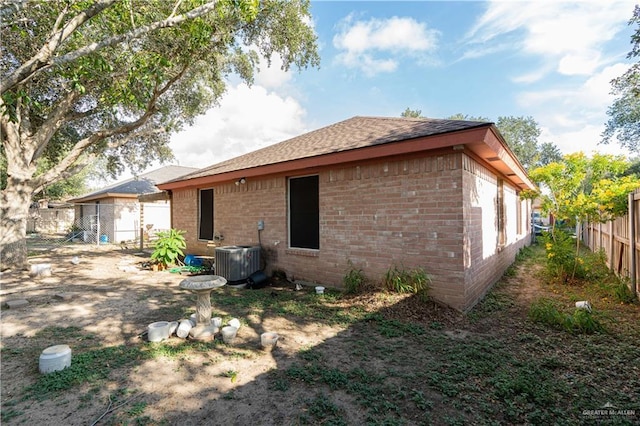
[{"x": 620, "y": 240}]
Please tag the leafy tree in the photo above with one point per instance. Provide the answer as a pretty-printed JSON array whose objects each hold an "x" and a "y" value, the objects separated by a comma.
[
  {"x": 521, "y": 134},
  {"x": 634, "y": 168},
  {"x": 411, "y": 113},
  {"x": 466, "y": 117},
  {"x": 548, "y": 152},
  {"x": 580, "y": 189},
  {"x": 586, "y": 189},
  {"x": 624, "y": 121},
  {"x": 114, "y": 78}
]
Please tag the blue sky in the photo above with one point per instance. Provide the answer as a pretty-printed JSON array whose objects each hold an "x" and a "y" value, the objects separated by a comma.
[{"x": 551, "y": 60}]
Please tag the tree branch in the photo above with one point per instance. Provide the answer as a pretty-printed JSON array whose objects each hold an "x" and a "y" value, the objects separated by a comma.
[
  {"x": 43, "y": 58},
  {"x": 53, "y": 123},
  {"x": 80, "y": 146},
  {"x": 59, "y": 19},
  {"x": 135, "y": 33}
]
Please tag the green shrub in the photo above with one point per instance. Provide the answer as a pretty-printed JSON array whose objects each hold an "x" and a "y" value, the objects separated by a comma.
[
  {"x": 583, "y": 322},
  {"x": 560, "y": 248},
  {"x": 169, "y": 247},
  {"x": 547, "y": 312},
  {"x": 354, "y": 281},
  {"x": 621, "y": 292},
  {"x": 414, "y": 281}
]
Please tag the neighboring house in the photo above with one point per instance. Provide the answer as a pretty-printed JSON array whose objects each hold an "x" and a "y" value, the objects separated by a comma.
[
  {"x": 441, "y": 195},
  {"x": 50, "y": 217},
  {"x": 115, "y": 214}
]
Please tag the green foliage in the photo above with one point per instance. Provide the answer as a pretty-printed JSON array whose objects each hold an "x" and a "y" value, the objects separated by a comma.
[
  {"x": 395, "y": 328},
  {"x": 467, "y": 117},
  {"x": 624, "y": 113},
  {"x": 561, "y": 257},
  {"x": 414, "y": 281},
  {"x": 585, "y": 189},
  {"x": 581, "y": 321},
  {"x": 546, "y": 311},
  {"x": 617, "y": 289},
  {"x": 521, "y": 134},
  {"x": 169, "y": 247},
  {"x": 354, "y": 280},
  {"x": 8, "y": 412},
  {"x": 86, "y": 367},
  {"x": 84, "y": 81},
  {"x": 410, "y": 113},
  {"x": 323, "y": 411},
  {"x": 392, "y": 371},
  {"x": 231, "y": 374},
  {"x": 548, "y": 153}
]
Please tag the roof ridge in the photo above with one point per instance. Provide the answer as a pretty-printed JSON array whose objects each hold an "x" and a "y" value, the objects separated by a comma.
[{"x": 352, "y": 133}]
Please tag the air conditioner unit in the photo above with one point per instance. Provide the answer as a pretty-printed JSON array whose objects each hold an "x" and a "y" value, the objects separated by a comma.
[{"x": 237, "y": 263}]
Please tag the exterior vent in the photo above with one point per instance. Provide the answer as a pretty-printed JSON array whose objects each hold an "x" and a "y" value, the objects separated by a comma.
[{"x": 237, "y": 263}]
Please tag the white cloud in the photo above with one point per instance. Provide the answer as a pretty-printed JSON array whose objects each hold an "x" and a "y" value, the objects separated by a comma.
[
  {"x": 571, "y": 35},
  {"x": 576, "y": 114},
  {"x": 272, "y": 76},
  {"x": 377, "y": 45},
  {"x": 592, "y": 96},
  {"x": 246, "y": 119},
  {"x": 586, "y": 139}
]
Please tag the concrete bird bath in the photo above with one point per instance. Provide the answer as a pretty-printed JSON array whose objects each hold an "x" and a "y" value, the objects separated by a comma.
[{"x": 202, "y": 286}]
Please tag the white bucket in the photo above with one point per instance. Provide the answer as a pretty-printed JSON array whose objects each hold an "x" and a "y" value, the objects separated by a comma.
[
  {"x": 269, "y": 340},
  {"x": 193, "y": 319},
  {"x": 234, "y": 322},
  {"x": 40, "y": 270},
  {"x": 184, "y": 328},
  {"x": 55, "y": 358},
  {"x": 319, "y": 290},
  {"x": 158, "y": 331},
  {"x": 173, "y": 326},
  {"x": 584, "y": 304},
  {"x": 201, "y": 332},
  {"x": 229, "y": 334},
  {"x": 216, "y": 322}
]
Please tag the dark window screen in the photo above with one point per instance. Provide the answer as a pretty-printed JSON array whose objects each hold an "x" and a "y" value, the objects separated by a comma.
[
  {"x": 205, "y": 231},
  {"x": 304, "y": 212}
]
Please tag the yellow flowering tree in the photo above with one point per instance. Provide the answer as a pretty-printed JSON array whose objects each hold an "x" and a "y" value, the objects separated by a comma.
[{"x": 579, "y": 189}]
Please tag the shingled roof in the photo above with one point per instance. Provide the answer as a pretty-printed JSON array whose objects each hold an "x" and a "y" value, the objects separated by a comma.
[
  {"x": 361, "y": 138},
  {"x": 143, "y": 184},
  {"x": 354, "y": 133}
]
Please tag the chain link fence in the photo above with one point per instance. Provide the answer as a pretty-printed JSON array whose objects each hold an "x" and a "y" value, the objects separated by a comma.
[{"x": 128, "y": 224}]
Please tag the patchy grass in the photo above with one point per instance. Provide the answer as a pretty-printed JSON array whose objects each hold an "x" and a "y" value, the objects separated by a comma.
[{"x": 511, "y": 360}]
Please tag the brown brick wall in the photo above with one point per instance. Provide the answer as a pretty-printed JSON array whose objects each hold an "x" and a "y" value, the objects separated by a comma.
[
  {"x": 407, "y": 213},
  {"x": 485, "y": 260}
]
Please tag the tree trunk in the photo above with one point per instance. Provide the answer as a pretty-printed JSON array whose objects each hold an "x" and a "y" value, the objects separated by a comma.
[{"x": 14, "y": 210}]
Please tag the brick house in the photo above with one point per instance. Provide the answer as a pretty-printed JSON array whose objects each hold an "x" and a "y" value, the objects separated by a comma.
[{"x": 437, "y": 194}]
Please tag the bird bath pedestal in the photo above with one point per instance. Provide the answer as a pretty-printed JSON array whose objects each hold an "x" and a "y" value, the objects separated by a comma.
[{"x": 202, "y": 286}]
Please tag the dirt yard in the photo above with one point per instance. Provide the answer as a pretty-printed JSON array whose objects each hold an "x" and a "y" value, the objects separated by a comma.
[
  {"x": 106, "y": 301},
  {"x": 110, "y": 297}
]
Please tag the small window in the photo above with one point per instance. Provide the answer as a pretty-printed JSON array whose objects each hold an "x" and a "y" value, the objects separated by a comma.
[
  {"x": 500, "y": 211},
  {"x": 205, "y": 219},
  {"x": 304, "y": 213}
]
